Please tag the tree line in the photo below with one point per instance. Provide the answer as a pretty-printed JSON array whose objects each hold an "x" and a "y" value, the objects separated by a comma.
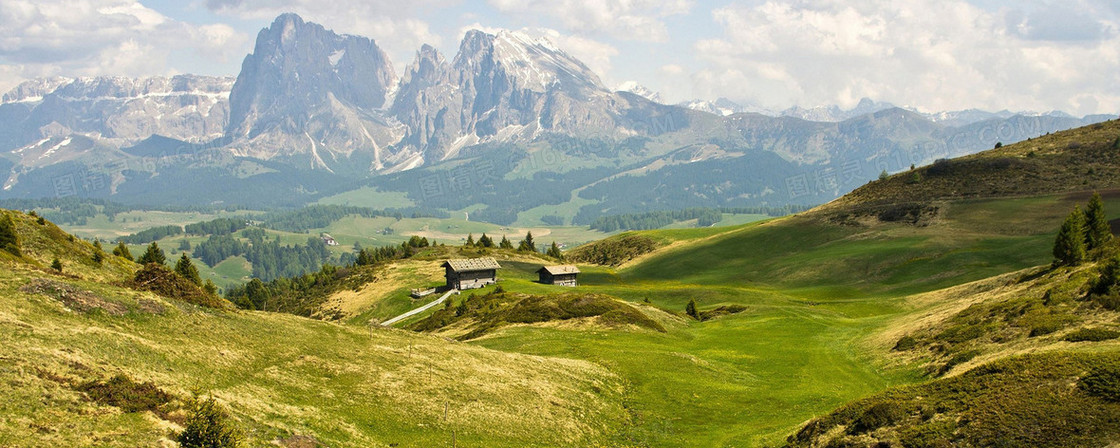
[
  {"x": 77, "y": 211},
  {"x": 270, "y": 259},
  {"x": 302, "y": 293},
  {"x": 320, "y": 216},
  {"x": 219, "y": 226},
  {"x": 705, "y": 217}
]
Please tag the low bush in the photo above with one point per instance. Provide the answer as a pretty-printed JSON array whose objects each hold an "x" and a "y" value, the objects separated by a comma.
[
  {"x": 877, "y": 416},
  {"x": 1092, "y": 335},
  {"x": 721, "y": 311},
  {"x": 126, "y": 394},
  {"x": 956, "y": 360},
  {"x": 613, "y": 251},
  {"x": 159, "y": 279},
  {"x": 905, "y": 343},
  {"x": 1103, "y": 382}
]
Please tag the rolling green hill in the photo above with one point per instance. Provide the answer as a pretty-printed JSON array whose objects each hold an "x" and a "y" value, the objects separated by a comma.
[
  {"x": 285, "y": 379},
  {"x": 921, "y": 310}
]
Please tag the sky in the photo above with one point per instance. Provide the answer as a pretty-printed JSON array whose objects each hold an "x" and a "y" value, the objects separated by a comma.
[{"x": 933, "y": 55}]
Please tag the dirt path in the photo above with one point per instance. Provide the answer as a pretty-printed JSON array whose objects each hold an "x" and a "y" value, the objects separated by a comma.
[{"x": 419, "y": 310}]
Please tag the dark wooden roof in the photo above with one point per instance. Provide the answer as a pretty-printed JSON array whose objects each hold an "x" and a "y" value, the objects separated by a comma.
[
  {"x": 472, "y": 264},
  {"x": 560, "y": 269}
]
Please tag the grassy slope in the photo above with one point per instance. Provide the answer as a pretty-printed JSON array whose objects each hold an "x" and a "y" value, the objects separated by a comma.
[
  {"x": 1037, "y": 400},
  {"x": 279, "y": 374},
  {"x": 820, "y": 295}
]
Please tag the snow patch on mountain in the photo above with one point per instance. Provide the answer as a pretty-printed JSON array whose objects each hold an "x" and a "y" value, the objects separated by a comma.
[{"x": 640, "y": 90}]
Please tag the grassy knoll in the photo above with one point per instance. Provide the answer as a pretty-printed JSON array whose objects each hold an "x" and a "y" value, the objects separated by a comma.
[
  {"x": 817, "y": 258},
  {"x": 1038, "y": 400},
  {"x": 280, "y": 375}
]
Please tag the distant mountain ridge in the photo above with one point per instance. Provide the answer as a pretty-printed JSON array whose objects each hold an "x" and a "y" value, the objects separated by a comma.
[{"x": 314, "y": 113}]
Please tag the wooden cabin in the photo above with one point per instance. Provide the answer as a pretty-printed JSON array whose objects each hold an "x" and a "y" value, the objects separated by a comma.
[
  {"x": 562, "y": 275},
  {"x": 471, "y": 273}
]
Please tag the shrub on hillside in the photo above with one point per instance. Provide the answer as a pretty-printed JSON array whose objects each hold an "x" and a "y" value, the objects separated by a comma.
[
  {"x": 956, "y": 360},
  {"x": 721, "y": 311},
  {"x": 613, "y": 251},
  {"x": 159, "y": 279},
  {"x": 122, "y": 392},
  {"x": 209, "y": 426},
  {"x": 905, "y": 343},
  {"x": 1103, "y": 382},
  {"x": 1092, "y": 335},
  {"x": 877, "y": 416},
  {"x": 9, "y": 240},
  {"x": 1106, "y": 289}
]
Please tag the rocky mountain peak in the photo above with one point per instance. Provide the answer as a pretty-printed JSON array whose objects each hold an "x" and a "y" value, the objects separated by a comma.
[
  {"x": 297, "y": 66},
  {"x": 528, "y": 62}
]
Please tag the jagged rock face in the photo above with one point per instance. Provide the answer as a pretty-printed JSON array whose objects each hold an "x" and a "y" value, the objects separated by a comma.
[
  {"x": 306, "y": 94},
  {"x": 499, "y": 86},
  {"x": 119, "y": 111},
  {"x": 421, "y": 91}
]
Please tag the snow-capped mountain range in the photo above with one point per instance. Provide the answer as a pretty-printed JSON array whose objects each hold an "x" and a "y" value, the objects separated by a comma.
[{"x": 308, "y": 100}]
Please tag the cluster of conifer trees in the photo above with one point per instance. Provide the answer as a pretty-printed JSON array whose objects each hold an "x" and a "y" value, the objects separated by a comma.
[{"x": 1082, "y": 233}]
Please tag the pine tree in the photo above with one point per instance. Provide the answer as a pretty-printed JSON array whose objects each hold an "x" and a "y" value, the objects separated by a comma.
[
  {"x": 462, "y": 308},
  {"x": 485, "y": 241},
  {"x": 470, "y": 240},
  {"x": 210, "y": 287},
  {"x": 208, "y": 426},
  {"x": 186, "y": 269},
  {"x": 527, "y": 244},
  {"x": 554, "y": 252},
  {"x": 257, "y": 293},
  {"x": 9, "y": 241},
  {"x": 505, "y": 243},
  {"x": 884, "y": 175},
  {"x": 1098, "y": 231},
  {"x": 185, "y": 245},
  {"x": 1069, "y": 247},
  {"x": 122, "y": 251},
  {"x": 56, "y": 265},
  {"x": 690, "y": 309},
  {"x": 153, "y": 255},
  {"x": 98, "y": 253}
]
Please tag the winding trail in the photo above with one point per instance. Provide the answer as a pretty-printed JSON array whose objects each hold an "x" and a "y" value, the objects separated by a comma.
[{"x": 419, "y": 310}]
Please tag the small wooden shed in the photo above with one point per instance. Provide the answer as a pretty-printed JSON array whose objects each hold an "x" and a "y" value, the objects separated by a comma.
[
  {"x": 561, "y": 275},
  {"x": 471, "y": 273}
]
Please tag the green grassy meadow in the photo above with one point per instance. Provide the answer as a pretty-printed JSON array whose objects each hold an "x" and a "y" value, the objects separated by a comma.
[{"x": 816, "y": 294}]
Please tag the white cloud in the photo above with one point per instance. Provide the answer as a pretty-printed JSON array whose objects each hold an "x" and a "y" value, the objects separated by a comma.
[
  {"x": 100, "y": 37},
  {"x": 640, "y": 20},
  {"x": 934, "y": 54},
  {"x": 671, "y": 70}
]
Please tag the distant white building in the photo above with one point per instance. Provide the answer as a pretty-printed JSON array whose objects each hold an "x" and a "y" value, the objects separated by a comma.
[{"x": 327, "y": 239}]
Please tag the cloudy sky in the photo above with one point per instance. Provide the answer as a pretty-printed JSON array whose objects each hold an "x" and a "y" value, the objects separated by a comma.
[{"x": 931, "y": 54}]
